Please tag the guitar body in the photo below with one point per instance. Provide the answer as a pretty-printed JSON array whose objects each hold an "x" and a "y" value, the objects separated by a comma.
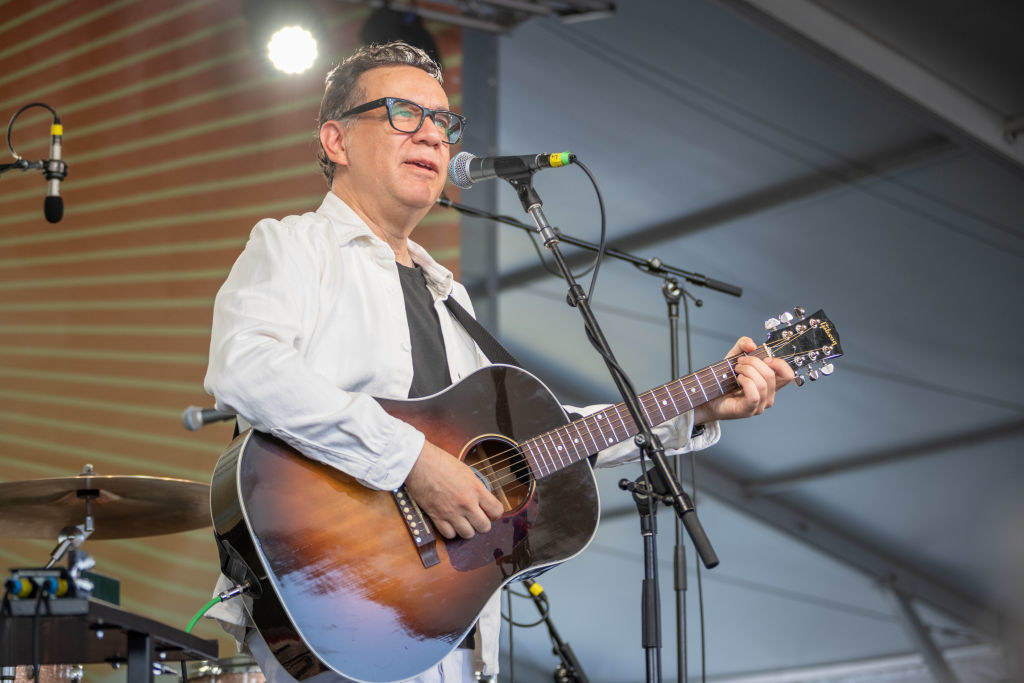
[{"x": 339, "y": 584}]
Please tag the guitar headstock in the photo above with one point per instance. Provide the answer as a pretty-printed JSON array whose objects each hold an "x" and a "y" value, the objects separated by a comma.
[{"x": 807, "y": 343}]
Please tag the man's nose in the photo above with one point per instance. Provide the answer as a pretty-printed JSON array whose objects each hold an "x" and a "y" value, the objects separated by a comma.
[{"x": 430, "y": 132}]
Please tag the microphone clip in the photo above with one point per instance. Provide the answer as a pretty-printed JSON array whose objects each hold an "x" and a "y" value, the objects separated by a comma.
[{"x": 54, "y": 169}]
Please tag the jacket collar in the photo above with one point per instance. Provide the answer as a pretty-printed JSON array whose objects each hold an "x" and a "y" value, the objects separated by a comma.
[{"x": 349, "y": 226}]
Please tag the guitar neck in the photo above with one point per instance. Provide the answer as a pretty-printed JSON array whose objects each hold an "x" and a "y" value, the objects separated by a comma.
[{"x": 561, "y": 447}]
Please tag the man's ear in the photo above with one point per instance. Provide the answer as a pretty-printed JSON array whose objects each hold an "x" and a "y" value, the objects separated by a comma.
[{"x": 333, "y": 137}]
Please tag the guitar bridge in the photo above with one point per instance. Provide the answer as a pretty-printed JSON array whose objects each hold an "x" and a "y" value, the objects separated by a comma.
[{"x": 419, "y": 528}]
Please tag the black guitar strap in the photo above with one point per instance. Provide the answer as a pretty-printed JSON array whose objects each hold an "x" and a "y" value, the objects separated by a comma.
[{"x": 491, "y": 347}]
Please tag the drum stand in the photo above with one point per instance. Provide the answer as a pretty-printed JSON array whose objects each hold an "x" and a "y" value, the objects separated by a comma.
[{"x": 49, "y": 615}]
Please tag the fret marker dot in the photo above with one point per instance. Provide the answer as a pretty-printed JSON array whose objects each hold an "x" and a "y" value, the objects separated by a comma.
[
  {"x": 575, "y": 440},
  {"x": 558, "y": 448},
  {"x": 600, "y": 416},
  {"x": 664, "y": 403},
  {"x": 692, "y": 390},
  {"x": 609, "y": 440}
]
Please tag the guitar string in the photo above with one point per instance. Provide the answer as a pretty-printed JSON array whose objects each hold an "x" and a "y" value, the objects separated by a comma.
[
  {"x": 516, "y": 452},
  {"x": 648, "y": 400}
]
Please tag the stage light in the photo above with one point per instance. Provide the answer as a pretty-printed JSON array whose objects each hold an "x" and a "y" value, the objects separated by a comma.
[
  {"x": 292, "y": 49},
  {"x": 289, "y": 33}
]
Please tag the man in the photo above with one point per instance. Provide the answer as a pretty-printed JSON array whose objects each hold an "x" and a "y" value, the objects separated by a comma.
[{"x": 326, "y": 310}]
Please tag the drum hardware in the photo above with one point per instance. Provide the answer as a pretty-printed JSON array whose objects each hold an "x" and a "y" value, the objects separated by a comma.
[
  {"x": 75, "y": 626},
  {"x": 90, "y": 505}
]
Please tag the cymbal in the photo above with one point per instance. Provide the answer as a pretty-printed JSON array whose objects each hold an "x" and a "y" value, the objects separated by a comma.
[{"x": 123, "y": 506}]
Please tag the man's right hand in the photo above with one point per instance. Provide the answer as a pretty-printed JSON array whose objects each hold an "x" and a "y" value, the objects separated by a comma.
[{"x": 449, "y": 492}]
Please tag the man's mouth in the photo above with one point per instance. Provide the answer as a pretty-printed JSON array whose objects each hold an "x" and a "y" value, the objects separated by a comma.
[{"x": 423, "y": 163}]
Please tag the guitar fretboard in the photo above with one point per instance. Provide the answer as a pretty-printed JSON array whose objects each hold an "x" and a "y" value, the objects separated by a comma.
[{"x": 561, "y": 447}]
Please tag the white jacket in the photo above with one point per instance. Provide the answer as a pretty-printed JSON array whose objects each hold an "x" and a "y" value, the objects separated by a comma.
[{"x": 311, "y": 324}]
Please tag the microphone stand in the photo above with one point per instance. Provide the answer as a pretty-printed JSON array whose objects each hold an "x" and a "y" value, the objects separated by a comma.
[
  {"x": 569, "y": 669},
  {"x": 649, "y": 444},
  {"x": 652, "y": 265}
]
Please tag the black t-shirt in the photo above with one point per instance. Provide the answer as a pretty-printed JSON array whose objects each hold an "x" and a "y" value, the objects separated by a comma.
[{"x": 429, "y": 363}]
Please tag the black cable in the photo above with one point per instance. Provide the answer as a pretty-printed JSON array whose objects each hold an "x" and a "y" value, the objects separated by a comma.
[
  {"x": 5, "y": 611},
  {"x": 10, "y": 126},
  {"x": 184, "y": 672},
  {"x": 603, "y": 243},
  {"x": 693, "y": 489},
  {"x": 35, "y": 632},
  {"x": 511, "y": 641},
  {"x": 543, "y": 615}
]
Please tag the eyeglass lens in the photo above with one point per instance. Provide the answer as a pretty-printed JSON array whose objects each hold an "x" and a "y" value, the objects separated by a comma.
[{"x": 406, "y": 117}]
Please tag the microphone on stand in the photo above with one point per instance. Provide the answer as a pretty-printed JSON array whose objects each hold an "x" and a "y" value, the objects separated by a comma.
[
  {"x": 55, "y": 170},
  {"x": 195, "y": 418},
  {"x": 466, "y": 169}
]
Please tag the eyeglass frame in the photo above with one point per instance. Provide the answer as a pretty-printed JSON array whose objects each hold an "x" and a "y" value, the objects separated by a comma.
[{"x": 389, "y": 102}]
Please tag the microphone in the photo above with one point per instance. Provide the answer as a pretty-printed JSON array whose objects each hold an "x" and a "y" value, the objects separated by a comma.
[
  {"x": 55, "y": 171},
  {"x": 466, "y": 169},
  {"x": 195, "y": 418}
]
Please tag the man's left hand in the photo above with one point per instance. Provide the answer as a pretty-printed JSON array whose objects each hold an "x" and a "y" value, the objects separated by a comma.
[{"x": 758, "y": 380}]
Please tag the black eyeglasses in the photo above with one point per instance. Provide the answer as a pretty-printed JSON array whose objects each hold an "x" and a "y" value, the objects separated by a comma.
[{"x": 407, "y": 117}]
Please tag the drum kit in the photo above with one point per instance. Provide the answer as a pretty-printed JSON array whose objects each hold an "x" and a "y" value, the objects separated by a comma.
[{"x": 74, "y": 621}]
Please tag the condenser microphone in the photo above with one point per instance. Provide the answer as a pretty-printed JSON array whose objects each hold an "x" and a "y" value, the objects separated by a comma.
[
  {"x": 466, "y": 169},
  {"x": 55, "y": 171},
  {"x": 195, "y": 418}
]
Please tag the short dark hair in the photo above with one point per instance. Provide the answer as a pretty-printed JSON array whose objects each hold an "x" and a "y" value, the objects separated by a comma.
[{"x": 341, "y": 92}]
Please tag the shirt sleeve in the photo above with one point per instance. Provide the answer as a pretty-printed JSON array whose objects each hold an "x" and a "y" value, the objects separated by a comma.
[
  {"x": 674, "y": 435},
  {"x": 262, "y": 315}
]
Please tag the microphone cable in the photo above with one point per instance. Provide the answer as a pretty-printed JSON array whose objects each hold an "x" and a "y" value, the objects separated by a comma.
[{"x": 10, "y": 127}]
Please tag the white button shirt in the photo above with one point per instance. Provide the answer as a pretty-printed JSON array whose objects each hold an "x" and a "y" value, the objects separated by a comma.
[{"x": 311, "y": 324}]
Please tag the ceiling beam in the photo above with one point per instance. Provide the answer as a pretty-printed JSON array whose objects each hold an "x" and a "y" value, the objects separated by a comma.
[
  {"x": 922, "y": 639},
  {"x": 799, "y": 475},
  {"x": 892, "y": 159},
  {"x": 965, "y": 118}
]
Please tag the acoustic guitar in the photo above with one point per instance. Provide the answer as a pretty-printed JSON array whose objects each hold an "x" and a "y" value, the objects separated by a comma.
[{"x": 346, "y": 580}]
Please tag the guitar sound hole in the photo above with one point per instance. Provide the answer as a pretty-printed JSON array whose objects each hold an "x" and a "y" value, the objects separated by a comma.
[{"x": 501, "y": 465}]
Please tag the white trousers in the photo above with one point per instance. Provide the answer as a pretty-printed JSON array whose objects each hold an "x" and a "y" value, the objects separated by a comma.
[{"x": 457, "y": 667}]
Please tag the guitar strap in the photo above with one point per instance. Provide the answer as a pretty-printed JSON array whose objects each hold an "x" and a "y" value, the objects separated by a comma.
[{"x": 492, "y": 348}]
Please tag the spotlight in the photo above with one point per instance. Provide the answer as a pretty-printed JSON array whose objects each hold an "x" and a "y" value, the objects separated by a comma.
[
  {"x": 288, "y": 33},
  {"x": 292, "y": 49}
]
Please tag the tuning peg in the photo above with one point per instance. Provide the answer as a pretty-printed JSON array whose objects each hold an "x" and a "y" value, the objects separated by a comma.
[
  {"x": 798, "y": 380},
  {"x": 828, "y": 369},
  {"x": 771, "y": 323},
  {"x": 786, "y": 318},
  {"x": 812, "y": 374},
  {"x": 799, "y": 311}
]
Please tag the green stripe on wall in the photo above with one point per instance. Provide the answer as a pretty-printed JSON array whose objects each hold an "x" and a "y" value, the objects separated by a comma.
[
  {"x": 199, "y": 274},
  {"x": 124, "y": 356},
  {"x": 170, "y": 414},
  {"x": 99, "y": 458},
  {"x": 104, "y": 380},
  {"x": 269, "y": 209},
  {"x": 190, "y": 444},
  {"x": 267, "y": 145},
  {"x": 115, "y": 36},
  {"x": 108, "y": 330},
  {"x": 110, "y": 304},
  {"x": 30, "y": 40},
  {"x": 124, "y": 252},
  {"x": 306, "y": 169}
]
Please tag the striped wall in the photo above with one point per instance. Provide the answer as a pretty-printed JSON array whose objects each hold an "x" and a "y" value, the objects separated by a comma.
[{"x": 178, "y": 137}]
